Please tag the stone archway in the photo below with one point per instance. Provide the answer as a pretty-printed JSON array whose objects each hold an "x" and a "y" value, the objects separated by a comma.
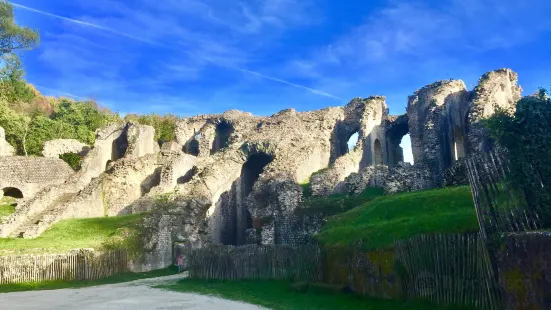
[
  {"x": 458, "y": 143},
  {"x": 12, "y": 192},
  {"x": 377, "y": 153}
]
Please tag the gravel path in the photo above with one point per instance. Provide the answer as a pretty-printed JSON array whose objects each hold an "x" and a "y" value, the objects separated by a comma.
[{"x": 136, "y": 295}]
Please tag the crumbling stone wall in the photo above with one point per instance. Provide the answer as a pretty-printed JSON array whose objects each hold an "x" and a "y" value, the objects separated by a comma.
[
  {"x": 495, "y": 89},
  {"x": 432, "y": 111},
  {"x": 54, "y": 148},
  {"x": 5, "y": 148},
  {"x": 32, "y": 174}
]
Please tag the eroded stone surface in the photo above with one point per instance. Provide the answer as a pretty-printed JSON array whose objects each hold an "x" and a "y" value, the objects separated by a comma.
[
  {"x": 233, "y": 178},
  {"x": 54, "y": 148}
]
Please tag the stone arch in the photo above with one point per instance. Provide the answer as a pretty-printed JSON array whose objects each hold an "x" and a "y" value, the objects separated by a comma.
[
  {"x": 397, "y": 132},
  {"x": 234, "y": 216},
  {"x": 377, "y": 153},
  {"x": 458, "y": 143},
  {"x": 223, "y": 132},
  {"x": 12, "y": 192}
]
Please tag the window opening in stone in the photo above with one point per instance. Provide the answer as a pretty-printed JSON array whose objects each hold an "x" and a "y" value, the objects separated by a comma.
[
  {"x": 192, "y": 147},
  {"x": 352, "y": 142},
  {"x": 377, "y": 153},
  {"x": 459, "y": 146},
  {"x": 405, "y": 144},
  {"x": 221, "y": 140},
  {"x": 187, "y": 177},
  {"x": 13, "y": 192}
]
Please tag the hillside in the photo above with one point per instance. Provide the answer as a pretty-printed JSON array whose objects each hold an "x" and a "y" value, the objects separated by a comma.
[{"x": 378, "y": 222}]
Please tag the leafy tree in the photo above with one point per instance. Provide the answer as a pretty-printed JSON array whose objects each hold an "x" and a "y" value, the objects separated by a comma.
[
  {"x": 13, "y": 86},
  {"x": 12, "y": 36}
]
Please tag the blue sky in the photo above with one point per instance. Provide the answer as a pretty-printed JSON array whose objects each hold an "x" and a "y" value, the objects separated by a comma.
[{"x": 206, "y": 56}]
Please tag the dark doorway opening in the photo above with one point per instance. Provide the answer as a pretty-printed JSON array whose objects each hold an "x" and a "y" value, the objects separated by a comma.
[
  {"x": 377, "y": 153},
  {"x": 12, "y": 192},
  {"x": 224, "y": 130}
]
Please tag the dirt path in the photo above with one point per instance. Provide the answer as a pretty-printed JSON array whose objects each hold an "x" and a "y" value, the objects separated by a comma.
[{"x": 136, "y": 295}]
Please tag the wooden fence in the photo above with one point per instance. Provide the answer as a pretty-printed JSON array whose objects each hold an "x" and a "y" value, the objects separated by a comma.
[
  {"x": 257, "y": 262},
  {"x": 448, "y": 270},
  {"x": 73, "y": 266},
  {"x": 502, "y": 204}
]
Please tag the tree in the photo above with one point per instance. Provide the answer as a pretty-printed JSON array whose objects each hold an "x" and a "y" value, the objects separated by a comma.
[
  {"x": 12, "y": 36},
  {"x": 13, "y": 86}
]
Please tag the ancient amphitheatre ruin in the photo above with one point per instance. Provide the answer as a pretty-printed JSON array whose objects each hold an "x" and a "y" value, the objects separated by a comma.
[{"x": 234, "y": 178}]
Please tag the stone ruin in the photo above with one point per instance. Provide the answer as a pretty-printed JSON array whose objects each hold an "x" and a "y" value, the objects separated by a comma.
[{"x": 234, "y": 178}]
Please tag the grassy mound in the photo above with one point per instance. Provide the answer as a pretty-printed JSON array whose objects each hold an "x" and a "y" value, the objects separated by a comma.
[
  {"x": 387, "y": 218},
  {"x": 279, "y": 295},
  {"x": 71, "y": 234}
]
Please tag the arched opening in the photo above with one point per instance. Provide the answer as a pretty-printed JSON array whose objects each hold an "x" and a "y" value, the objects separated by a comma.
[
  {"x": 233, "y": 217},
  {"x": 377, "y": 153},
  {"x": 459, "y": 143},
  {"x": 352, "y": 141},
  {"x": 407, "y": 151},
  {"x": 187, "y": 177},
  {"x": 222, "y": 137},
  {"x": 12, "y": 192},
  {"x": 192, "y": 146}
]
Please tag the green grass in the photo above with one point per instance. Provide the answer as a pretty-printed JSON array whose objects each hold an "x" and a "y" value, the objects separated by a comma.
[
  {"x": 338, "y": 203},
  {"x": 278, "y": 295},
  {"x": 7, "y": 206},
  {"x": 382, "y": 220},
  {"x": 54, "y": 285},
  {"x": 71, "y": 234}
]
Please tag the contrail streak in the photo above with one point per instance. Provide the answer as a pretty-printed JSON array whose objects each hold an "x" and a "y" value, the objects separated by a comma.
[
  {"x": 57, "y": 91},
  {"x": 83, "y": 23},
  {"x": 122, "y": 34}
]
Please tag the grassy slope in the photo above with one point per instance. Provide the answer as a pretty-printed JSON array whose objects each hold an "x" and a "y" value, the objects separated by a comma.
[
  {"x": 278, "y": 295},
  {"x": 339, "y": 203},
  {"x": 380, "y": 221},
  {"x": 54, "y": 285},
  {"x": 70, "y": 234},
  {"x": 7, "y": 206}
]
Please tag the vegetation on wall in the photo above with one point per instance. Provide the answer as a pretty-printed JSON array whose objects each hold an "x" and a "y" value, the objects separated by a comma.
[
  {"x": 165, "y": 125},
  {"x": 526, "y": 136},
  {"x": 72, "y": 159}
]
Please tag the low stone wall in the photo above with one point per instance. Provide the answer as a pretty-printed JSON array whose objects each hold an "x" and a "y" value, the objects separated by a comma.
[{"x": 523, "y": 261}]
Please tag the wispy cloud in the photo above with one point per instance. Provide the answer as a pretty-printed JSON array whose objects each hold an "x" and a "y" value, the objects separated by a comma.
[{"x": 158, "y": 44}]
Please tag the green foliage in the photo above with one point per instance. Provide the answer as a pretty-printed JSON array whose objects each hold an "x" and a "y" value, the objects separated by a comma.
[
  {"x": 70, "y": 120},
  {"x": 12, "y": 36},
  {"x": 387, "y": 218},
  {"x": 7, "y": 206},
  {"x": 165, "y": 125},
  {"x": 279, "y": 296},
  {"x": 13, "y": 87},
  {"x": 72, "y": 234},
  {"x": 59, "y": 284},
  {"x": 526, "y": 135},
  {"x": 72, "y": 159}
]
